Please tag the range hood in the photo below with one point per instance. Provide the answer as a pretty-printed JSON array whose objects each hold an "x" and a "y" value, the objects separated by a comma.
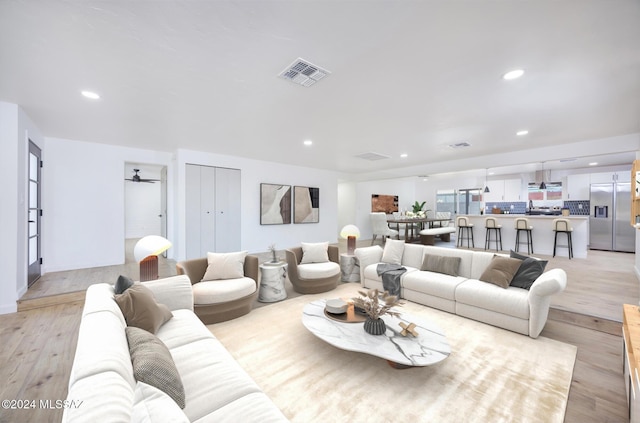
[{"x": 542, "y": 175}]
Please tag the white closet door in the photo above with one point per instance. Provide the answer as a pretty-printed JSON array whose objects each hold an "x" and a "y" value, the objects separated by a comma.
[
  {"x": 227, "y": 210},
  {"x": 192, "y": 212},
  {"x": 208, "y": 210}
]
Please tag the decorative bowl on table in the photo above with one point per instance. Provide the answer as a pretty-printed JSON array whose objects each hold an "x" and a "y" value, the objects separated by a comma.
[{"x": 336, "y": 306}]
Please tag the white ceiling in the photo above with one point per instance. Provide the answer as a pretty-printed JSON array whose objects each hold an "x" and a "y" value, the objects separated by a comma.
[{"x": 406, "y": 76}]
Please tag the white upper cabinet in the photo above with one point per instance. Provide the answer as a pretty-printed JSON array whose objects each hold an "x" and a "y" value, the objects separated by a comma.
[
  {"x": 578, "y": 187},
  {"x": 604, "y": 177},
  {"x": 504, "y": 190}
]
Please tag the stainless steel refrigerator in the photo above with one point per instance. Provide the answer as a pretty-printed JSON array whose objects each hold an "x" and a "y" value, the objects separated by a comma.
[{"x": 609, "y": 222}]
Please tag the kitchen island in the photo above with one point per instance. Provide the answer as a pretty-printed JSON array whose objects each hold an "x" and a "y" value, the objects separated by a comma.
[{"x": 542, "y": 234}]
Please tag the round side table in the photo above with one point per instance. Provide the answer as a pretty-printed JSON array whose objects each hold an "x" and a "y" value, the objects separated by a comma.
[
  {"x": 272, "y": 277},
  {"x": 349, "y": 268}
]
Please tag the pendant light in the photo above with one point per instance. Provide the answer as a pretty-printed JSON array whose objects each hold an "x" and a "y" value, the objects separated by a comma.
[
  {"x": 486, "y": 176},
  {"x": 542, "y": 184}
]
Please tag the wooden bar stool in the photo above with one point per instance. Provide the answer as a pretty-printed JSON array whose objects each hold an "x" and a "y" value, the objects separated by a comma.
[
  {"x": 491, "y": 226},
  {"x": 562, "y": 226},
  {"x": 465, "y": 230},
  {"x": 522, "y": 224}
]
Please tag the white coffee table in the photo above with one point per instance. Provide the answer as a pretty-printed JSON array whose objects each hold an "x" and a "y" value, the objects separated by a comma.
[{"x": 429, "y": 347}]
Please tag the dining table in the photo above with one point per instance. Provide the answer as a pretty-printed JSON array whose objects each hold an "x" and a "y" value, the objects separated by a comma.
[{"x": 417, "y": 224}]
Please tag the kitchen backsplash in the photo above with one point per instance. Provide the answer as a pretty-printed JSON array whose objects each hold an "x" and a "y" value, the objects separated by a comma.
[
  {"x": 576, "y": 208},
  {"x": 519, "y": 207}
]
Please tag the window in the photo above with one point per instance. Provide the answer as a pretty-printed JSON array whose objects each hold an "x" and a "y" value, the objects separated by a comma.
[{"x": 549, "y": 197}]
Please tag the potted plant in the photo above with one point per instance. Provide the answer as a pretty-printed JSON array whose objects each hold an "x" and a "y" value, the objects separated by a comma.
[
  {"x": 375, "y": 305},
  {"x": 417, "y": 209}
]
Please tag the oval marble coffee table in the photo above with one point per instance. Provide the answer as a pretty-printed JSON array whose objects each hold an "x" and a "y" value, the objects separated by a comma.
[{"x": 429, "y": 347}]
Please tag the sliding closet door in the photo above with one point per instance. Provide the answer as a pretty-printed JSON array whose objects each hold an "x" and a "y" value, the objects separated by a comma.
[
  {"x": 212, "y": 215},
  {"x": 207, "y": 210},
  {"x": 227, "y": 223},
  {"x": 192, "y": 213}
]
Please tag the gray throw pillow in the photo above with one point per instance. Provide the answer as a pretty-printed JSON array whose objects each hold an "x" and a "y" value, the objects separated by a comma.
[
  {"x": 530, "y": 269},
  {"x": 153, "y": 364},
  {"x": 441, "y": 264},
  {"x": 122, "y": 284},
  {"x": 500, "y": 271}
]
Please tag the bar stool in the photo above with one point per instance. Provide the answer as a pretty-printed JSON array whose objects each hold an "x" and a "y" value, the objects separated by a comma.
[
  {"x": 491, "y": 226},
  {"x": 522, "y": 224},
  {"x": 464, "y": 228},
  {"x": 562, "y": 226}
]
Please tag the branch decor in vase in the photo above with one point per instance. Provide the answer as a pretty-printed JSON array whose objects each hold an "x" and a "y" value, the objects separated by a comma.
[
  {"x": 274, "y": 259},
  {"x": 376, "y": 305}
]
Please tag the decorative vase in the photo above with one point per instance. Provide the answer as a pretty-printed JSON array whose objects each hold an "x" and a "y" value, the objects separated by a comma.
[{"x": 374, "y": 327}]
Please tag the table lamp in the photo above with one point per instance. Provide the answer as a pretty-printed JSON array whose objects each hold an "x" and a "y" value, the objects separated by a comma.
[
  {"x": 146, "y": 252},
  {"x": 350, "y": 232}
]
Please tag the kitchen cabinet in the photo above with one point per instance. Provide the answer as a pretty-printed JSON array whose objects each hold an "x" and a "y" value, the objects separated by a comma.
[
  {"x": 578, "y": 187},
  {"x": 503, "y": 190},
  {"x": 604, "y": 177}
]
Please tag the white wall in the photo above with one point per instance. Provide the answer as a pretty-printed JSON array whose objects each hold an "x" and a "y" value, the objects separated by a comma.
[
  {"x": 84, "y": 202},
  {"x": 16, "y": 128},
  {"x": 9, "y": 208},
  {"x": 256, "y": 237},
  {"x": 143, "y": 205},
  {"x": 404, "y": 188}
]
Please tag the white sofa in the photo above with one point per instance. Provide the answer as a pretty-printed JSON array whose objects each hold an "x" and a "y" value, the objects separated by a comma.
[
  {"x": 216, "y": 388},
  {"x": 516, "y": 309}
]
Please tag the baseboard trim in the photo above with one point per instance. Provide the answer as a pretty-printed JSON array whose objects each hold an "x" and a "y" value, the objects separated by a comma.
[{"x": 589, "y": 322}]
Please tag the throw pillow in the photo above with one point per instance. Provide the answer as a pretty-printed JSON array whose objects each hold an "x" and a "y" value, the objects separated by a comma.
[
  {"x": 393, "y": 250},
  {"x": 441, "y": 264},
  {"x": 530, "y": 269},
  {"x": 317, "y": 252},
  {"x": 500, "y": 271},
  {"x": 153, "y": 364},
  {"x": 225, "y": 266},
  {"x": 122, "y": 284},
  {"x": 141, "y": 310}
]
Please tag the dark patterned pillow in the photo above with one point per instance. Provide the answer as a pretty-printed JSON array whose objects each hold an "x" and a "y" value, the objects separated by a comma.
[
  {"x": 153, "y": 364},
  {"x": 122, "y": 284},
  {"x": 530, "y": 269}
]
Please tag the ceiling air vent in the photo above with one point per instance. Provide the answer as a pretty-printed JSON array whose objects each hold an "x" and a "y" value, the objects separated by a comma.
[
  {"x": 303, "y": 73},
  {"x": 462, "y": 144},
  {"x": 372, "y": 156}
]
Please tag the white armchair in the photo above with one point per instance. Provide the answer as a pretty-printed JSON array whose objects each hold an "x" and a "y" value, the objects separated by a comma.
[{"x": 380, "y": 226}]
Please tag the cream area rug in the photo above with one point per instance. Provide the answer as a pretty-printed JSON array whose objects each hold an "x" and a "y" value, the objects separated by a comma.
[{"x": 492, "y": 375}]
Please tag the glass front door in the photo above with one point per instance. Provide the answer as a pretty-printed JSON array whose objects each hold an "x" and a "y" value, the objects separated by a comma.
[
  {"x": 35, "y": 214},
  {"x": 469, "y": 201}
]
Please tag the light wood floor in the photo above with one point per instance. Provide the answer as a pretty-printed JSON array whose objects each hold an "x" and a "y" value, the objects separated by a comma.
[{"x": 38, "y": 344}]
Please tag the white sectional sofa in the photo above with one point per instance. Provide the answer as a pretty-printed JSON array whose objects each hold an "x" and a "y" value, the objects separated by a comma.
[
  {"x": 516, "y": 309},
  {"x": 102, "y": 381}
]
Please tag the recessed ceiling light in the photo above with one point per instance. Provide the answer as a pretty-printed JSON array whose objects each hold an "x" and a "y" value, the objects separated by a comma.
[
  {"x": 404, "y": 155},
  {"x": 491, "y": 173},
  {"x": 514, "y": 74},
  {"x": 308, "y": 142},
  {"x": 593, "y": 164},
  {"x": 91, "y": 95},
  {"x": 522, "y": 133}
]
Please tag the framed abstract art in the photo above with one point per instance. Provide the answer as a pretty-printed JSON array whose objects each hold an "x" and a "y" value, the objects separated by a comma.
[
  {"x": 275, "y": 204},
  {"x": 306, "y": 202}
]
